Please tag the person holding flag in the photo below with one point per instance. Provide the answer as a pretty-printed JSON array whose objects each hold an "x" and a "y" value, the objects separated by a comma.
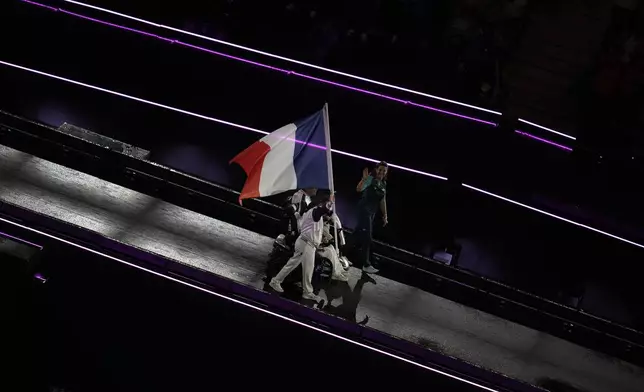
[
  {"x": 306, "y": 246},
  {"x": 296, "y": 156}
]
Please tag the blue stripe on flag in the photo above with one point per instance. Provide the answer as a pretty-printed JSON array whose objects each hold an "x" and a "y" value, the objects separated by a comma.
[{"x": 309, "y": 157}]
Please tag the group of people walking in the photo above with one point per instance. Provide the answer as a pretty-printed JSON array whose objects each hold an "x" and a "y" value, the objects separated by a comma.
[{"x": 313, "y": 219}]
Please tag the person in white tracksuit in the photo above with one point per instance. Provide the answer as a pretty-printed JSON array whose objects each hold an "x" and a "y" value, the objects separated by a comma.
[
  {"x": 306, "y": 245},
  {"x": 299, "y": 204}
]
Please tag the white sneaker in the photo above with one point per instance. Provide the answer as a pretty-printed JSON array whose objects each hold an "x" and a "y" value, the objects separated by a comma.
[
  {"x": 345, "y": 262},
  {"x": 370, "y": 270},
  {"x": 311, "y": 296},
  {"x": 276, "y": 286}
]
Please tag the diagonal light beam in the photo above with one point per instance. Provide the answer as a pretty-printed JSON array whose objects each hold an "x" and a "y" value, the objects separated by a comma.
[
  {"x": 252, "y": 50},
  {"x": 266, "y": 66},
  {"x": 201, "y": 116},
  {"x": 290, "y": 60},
  {"x": 554, "y": 216}
]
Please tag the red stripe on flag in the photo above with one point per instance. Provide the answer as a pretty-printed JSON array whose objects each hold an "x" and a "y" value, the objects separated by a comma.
[{"x": 252, "y": 161}]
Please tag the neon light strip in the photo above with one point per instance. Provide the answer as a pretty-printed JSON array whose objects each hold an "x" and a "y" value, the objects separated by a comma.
[
  {"x": 41, "y": 5},
  {"x": 114, "y": 25},
  {"x": 554, "y": 216},
  {"x": 201, "y": 116},
  {"x": 543, "y": 140},
  {"x": 300, "y": 63},
  {"x": 20, "y": 240},
  {"x": 282, "y": 58},
  {"x": 40, "y": 277},
  {"x": 547, "y": 129},
  {"x": 287, "y": 72},
  {"x": 316, "y": 79},
  {"x": 259, "y": 309}
]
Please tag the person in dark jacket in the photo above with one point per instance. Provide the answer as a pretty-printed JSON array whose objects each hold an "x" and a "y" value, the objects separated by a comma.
[{"x": 373, "y": 191}]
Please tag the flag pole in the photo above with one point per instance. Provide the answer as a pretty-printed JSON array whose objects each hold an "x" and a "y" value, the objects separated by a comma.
[{"x": 329, "y": 162}]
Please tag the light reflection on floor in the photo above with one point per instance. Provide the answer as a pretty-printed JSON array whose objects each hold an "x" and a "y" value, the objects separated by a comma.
[{"x": 238, "y": 254}]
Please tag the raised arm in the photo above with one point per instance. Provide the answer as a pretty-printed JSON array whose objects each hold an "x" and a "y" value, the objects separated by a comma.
[
  {"x": 324, "y": 209},
  {"x": 321, "y": 210},
  {"x": 364, "y": 182},
  {"x": 298, "y": 203}
]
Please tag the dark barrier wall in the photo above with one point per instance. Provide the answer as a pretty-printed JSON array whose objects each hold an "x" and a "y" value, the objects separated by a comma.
[
  {"x": 498, "y": 240},
  {"x": 85, "y": 332}
]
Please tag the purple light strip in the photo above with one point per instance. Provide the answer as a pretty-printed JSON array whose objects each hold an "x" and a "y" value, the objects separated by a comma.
[
  {"x": 248, "y": 49},
  {"x": 229, "y": 56},
  {"x": 543, "y": 140},
  {"x": 452, "y": 114},
  {"x": 40, "y": 277},
  {"x": 294, "y": 61},
  {"x": 41, "y": 5},
  {"x": 201, "y": 116},
  {"x": 109, "y": 24},
  {"x": 285, "y": 71},
  {"x": 336, "y": 84},
  {"x": 375, "y": 94},
  {"x": 20, "y": 240},
  {"x": 251, "y": 306}
]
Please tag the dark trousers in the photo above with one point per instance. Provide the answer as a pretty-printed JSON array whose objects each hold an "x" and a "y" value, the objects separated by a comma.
[{"x": 364, "y": 235}]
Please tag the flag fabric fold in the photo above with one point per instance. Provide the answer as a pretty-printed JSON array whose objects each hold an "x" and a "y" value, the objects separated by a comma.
[{"x": 292, "y": 157}]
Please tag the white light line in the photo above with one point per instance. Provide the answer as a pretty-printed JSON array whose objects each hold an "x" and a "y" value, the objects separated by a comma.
[
  {"x": 239, "y": 302},
  {"x": 335, "y": 151},
  {"x": 131, "y": 97},
  {"x": 547, "y": 129},
  {"x": 115, "y": 13},
  {"x": 554, "y": 216},
  {"x": 283, "y": 58},
  {"x": 201, "y": 115}
]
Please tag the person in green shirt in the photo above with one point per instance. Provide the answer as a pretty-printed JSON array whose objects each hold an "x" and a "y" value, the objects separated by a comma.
[{"x": 373, "y": 192}]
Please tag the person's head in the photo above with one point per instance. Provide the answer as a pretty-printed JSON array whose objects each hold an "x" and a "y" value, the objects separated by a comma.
[
  {"x": 381, "y": 170},
  {"x": 321, "y": 198},
  {"x": 311, "y": 191}
]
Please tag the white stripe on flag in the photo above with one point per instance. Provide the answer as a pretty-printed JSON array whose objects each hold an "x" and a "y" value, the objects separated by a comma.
[{"x": 278, "y": 171}]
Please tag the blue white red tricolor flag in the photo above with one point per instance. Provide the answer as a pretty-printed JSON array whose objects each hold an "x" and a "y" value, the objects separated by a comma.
[{"x": 292, "y": 157}]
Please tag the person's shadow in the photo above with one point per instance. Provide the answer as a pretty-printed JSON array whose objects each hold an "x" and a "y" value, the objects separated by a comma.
[
  {"x": 350, "y": 299},
  {"x": 293, "y": 291}
]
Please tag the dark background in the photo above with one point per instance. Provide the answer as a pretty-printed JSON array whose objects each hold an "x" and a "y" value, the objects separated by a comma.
[
  {"x": 498, "y": 240},
  {"x": 99, "y": 325}
]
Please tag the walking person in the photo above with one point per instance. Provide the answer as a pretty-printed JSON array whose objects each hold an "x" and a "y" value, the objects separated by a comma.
[
  {"x": 373, "y": 191},
  {"x": 311, "y": 230}
]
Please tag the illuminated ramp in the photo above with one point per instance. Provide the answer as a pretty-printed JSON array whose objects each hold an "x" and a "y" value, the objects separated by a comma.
[{"x": 200, "y": 242}]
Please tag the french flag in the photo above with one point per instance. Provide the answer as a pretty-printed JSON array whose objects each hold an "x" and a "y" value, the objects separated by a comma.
[{"x": 293, "y": 157}]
